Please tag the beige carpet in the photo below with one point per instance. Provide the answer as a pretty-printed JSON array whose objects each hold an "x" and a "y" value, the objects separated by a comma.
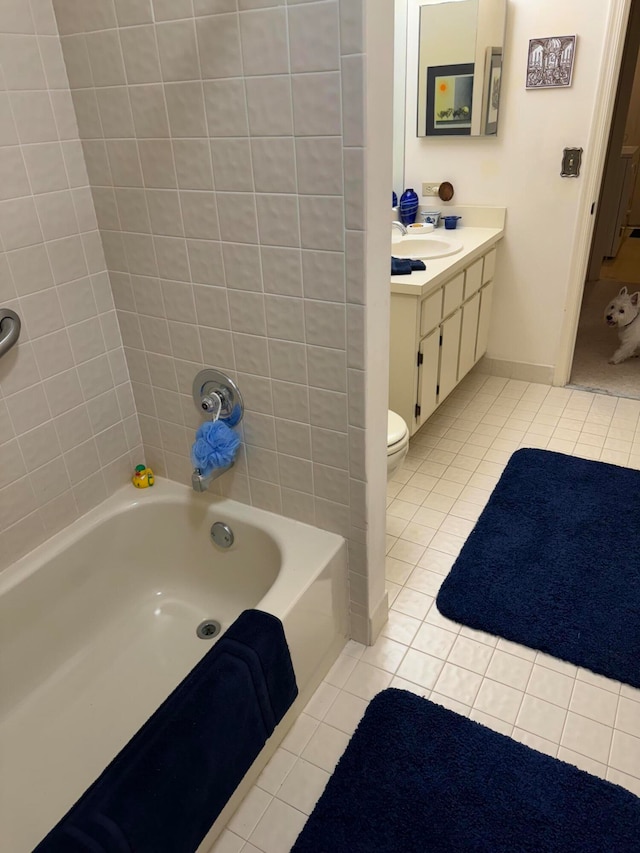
[{"x": 596, "y": 343}]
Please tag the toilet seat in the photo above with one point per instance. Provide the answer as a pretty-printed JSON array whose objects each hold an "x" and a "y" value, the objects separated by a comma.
[
  {"x": 397, "y": 442},
  {"x": 397, "y": 433}
]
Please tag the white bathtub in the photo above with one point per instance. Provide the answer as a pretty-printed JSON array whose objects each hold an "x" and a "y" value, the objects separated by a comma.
[{"x": 98, "y": 625}]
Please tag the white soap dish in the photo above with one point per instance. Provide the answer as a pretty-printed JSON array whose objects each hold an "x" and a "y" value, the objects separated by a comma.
[{"x": 419, "y": 228}]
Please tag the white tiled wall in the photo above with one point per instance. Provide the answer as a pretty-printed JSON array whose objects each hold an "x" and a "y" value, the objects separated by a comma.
[
  {"x": 224, "y": 141},
  {"x": 68, "y": 427}
]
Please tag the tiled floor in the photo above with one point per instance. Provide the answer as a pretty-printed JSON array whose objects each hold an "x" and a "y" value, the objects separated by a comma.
[{"x": 434, "y": 500}]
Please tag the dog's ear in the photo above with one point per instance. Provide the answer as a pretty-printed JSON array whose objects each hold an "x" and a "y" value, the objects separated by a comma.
[
  {"x": 623, "y": 292},
  {"x": 635, "y": 297}
]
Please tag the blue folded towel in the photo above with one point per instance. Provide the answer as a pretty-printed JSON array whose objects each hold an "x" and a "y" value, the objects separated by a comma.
[
  {"x": 166, "y": 787},
  {"x": 215, "y": 446},
  {"x": 404, "y": 266}
]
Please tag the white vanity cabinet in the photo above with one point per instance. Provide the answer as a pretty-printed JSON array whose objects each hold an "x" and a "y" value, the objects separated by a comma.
[{"x": 437, "y": 338}]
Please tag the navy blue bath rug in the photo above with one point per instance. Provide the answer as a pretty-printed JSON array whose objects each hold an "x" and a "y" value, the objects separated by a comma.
[
  {"x": 553, "y": 563},
  {"x": 416, "y": 777}
]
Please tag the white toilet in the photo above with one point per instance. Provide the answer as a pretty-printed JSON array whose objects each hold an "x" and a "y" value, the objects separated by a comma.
[{"x": 397, "y": 442}]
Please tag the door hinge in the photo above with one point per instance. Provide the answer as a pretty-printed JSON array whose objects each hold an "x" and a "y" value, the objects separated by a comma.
[
  {"x": 420, "y": 358},
  {"x": 417, "y": 410},
  {"x": 437, "y": 390},
  {"x": 440, "y": 340}
]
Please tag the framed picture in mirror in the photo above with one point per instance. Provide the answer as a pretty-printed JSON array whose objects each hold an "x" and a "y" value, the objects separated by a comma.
[
  {"x": 449, "y": 99},
  {"x": 493, "y": 76}
]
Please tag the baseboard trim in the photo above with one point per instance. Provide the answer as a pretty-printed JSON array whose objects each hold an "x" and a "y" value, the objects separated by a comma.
[
  {"x": 379, "y": 618},
  {"x": 542, "y": 373},
  {"x": 366, "y": 626}
]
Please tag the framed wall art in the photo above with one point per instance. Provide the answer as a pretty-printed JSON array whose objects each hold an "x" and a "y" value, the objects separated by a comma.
[
  {"x": 449, "y": 99},
  {"x": 550, "y": 62},
  {"x": 493, "y": 77}
]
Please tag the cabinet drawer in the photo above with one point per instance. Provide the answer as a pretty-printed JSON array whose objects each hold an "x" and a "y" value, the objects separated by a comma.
[
  {"x": 453, "y": 291},
  {"x": 431, "y": 312},
  {"x": 489, "y": 266},
  {"x": 473, "y": 278}
]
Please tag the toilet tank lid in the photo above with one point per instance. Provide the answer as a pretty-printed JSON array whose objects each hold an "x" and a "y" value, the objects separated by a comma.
[{"x": 396, "y": 428}]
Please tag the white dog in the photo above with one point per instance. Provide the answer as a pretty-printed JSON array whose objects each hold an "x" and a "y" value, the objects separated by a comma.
[{"x": 623, "y": 312}]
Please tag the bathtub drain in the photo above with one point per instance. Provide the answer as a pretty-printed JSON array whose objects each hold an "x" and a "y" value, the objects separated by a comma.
[{"x": 208, "y": 629}]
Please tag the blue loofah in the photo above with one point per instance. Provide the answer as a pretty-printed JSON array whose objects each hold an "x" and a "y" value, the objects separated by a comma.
[
  {"x": 215, "y": 446},
  {"x": 235, "y": 416}
]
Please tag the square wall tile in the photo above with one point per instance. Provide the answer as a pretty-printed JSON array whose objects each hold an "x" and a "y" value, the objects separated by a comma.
[
  {"x": 226, "y": 108},
  {"x": 232, "y": 165},
  {"x": 105, "y": 57},
  {"x": 177, "y": 49},
  {"x": 219, "y": 46},
  {"x": 149, "y": 111},
  {"x": 285, "y": 318},
  {"x": 140, "y": 52},
  {"x": 193, "y": 164},
  {"x": 317, "y": 104},
  {"x": 281, "y": 270},
  {"x": 314, "y": 37},
  {"x": 319, "y": 165},
  {"x": 21, "y": 62},
  {"x": 19, "y": 224},
  {"x": 235, "y": 208},
  {"x": 273, "y": 161},
  {"x": 263, "y": 35},
  {"x": 270, "y": 106},
  {"x": 278, "y": 220},
  {"x": 324, "y": 275},
  {"x": 132, "y": 12},
  {"x": 185, "y": 105},
  {"x": 322, "y": 222}
]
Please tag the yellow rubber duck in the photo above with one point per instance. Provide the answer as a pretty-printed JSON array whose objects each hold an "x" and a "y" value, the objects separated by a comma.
[{"x": 143, "y": 477}]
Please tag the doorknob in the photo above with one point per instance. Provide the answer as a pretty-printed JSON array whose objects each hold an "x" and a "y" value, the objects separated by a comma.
[{"x": 9, "y": 329}]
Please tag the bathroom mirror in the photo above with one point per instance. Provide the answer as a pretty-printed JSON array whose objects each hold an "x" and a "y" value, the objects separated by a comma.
[{"x": 460, "y": 67}]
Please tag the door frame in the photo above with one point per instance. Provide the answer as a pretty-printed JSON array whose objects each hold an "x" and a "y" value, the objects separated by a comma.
[{"x": 605, "y": 96}]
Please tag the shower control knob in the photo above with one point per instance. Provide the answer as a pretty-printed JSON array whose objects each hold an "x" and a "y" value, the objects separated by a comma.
[{"x": 212, "y": 405}]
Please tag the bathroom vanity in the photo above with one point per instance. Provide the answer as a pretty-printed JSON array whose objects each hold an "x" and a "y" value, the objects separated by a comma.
[{"x": 440, "y": 318}]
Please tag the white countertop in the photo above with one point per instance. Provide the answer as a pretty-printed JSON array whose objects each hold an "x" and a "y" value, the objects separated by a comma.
[{"x": 476, "y": 241}]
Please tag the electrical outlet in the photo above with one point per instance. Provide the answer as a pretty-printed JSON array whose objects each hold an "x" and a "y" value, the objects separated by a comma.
[{"x": 430, "y": 188}]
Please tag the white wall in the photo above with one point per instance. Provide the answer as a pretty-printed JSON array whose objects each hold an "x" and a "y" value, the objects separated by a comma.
[{"x": 521, "y": 170}]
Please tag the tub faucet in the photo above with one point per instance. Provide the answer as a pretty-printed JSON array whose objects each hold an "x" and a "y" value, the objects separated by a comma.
[
  {"x": 200, "y": 482},
  {"x": 399, "y": 226}
]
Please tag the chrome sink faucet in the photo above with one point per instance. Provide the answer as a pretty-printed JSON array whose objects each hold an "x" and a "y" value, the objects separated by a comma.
[{"x": 399, "y": 226}]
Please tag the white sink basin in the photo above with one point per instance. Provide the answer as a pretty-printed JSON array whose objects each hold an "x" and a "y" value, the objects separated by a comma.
[{"x": 425, "y": 246}]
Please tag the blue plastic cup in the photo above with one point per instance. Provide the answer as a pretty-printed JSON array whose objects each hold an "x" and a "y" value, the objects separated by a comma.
[{"x": 451, "y": 222}]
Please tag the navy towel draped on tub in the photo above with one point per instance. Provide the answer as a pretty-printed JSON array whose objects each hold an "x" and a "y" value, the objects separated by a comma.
[{"x": 165, "y": 788}]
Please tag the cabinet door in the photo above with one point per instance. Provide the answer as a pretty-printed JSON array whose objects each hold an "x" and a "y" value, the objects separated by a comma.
[
  {"x": 428, "y": 376},
  {"x": 486, "y": 296},
  {"x": 449, "y": 349},
  {"x": 468, "y": 335},
  {"x": 473, "y": 278},
  {"x": 403, "y": 357},
  {"x": 489, "y": 266}
]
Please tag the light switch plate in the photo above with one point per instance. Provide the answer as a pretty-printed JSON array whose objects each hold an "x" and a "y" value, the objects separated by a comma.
[
  {"x": 571, "y": 161},
  {"x": 430, "y": 188}
]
